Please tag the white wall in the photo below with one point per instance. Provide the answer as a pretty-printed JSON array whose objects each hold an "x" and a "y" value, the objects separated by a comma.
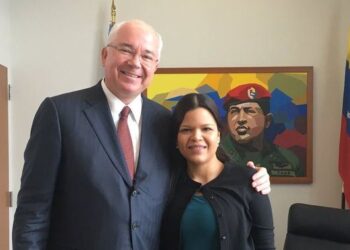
[
  {"x": 5, "y": 34},
  {"x": 55, "y": 48}
]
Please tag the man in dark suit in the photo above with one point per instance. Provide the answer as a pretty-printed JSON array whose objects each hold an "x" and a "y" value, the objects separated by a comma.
[{"x": 78, "y": 190}]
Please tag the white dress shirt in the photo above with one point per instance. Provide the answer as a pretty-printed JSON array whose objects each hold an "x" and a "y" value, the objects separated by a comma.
[{"x": 134, "y": 118}]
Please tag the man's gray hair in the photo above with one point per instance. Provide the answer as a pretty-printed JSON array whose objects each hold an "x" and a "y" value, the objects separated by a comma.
[{"x": 117, "y": 26}]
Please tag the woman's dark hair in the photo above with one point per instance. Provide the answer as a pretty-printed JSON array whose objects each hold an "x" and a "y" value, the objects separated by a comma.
[{"x": 192, "y": 101}]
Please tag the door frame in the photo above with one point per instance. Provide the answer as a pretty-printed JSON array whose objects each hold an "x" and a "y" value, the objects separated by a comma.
[{"x": 4, "y": 161}]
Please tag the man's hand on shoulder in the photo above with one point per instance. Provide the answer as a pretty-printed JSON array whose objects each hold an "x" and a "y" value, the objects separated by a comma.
[{"x": 261, "y": 179}]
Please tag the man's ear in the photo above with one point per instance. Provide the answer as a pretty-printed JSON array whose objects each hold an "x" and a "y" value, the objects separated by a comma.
[
  {"x": 268, "y": 120},
  {"x": 103, "y": 56}
]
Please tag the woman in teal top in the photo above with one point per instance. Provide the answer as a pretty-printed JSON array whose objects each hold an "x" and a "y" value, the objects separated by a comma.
[{"x": 212, "y": 206}]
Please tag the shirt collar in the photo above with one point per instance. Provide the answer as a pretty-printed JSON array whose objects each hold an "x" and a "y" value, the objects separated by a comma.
[{"x": 116, "y": 105}]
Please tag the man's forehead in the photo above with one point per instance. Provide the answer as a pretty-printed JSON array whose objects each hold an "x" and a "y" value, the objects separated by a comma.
[
  {"x": 245, "y": 105},
  {"x": 146, "y": 42},
  {"x": 130, "y": 46}
]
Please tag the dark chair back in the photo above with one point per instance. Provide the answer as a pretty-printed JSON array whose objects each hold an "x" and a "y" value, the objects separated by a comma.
[{"x": 313, "y": 227}]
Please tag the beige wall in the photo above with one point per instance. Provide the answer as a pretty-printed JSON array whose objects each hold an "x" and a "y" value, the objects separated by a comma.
[
  {"x": 56, "y": 47},
  {"x": 5, "y": 41}
]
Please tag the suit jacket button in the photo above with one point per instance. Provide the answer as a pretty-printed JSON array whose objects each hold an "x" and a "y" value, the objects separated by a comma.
[
  {"x": 223, "y": 237},
  {"x": 134, "y": 226}
]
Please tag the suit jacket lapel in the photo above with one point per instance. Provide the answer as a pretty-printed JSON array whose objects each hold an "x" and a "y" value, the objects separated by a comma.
[
  {"x": 100, "y": 118},
  {"x": 146, "y": 140},
  {"x": 141, "y": 172}
]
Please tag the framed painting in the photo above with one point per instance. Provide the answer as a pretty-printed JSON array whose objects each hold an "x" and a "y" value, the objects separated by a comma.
[{"x": 284, "y": 142}]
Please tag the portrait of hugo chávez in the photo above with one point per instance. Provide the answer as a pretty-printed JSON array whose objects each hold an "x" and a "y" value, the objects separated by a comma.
[{"x": 248, "y": 120}]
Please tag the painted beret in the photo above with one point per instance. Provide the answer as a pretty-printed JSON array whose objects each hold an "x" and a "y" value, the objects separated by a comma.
[{"x": 248, "y": 92}]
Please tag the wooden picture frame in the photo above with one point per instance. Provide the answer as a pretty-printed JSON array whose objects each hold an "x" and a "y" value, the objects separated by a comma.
[{"x": 291, "y": 105}]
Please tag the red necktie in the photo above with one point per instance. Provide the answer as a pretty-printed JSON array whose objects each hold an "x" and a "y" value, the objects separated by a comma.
[{"x": 125, "y": 140}]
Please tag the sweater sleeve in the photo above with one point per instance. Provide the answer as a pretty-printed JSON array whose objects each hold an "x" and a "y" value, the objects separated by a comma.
[{"x": 262, "y": 226}]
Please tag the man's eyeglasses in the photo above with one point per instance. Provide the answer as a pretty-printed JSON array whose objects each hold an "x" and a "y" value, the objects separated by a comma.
[{"x": 146, "y": 58}]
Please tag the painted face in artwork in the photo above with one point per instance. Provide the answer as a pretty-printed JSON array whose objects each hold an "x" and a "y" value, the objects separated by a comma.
[{"x": 247, "y": 121}]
